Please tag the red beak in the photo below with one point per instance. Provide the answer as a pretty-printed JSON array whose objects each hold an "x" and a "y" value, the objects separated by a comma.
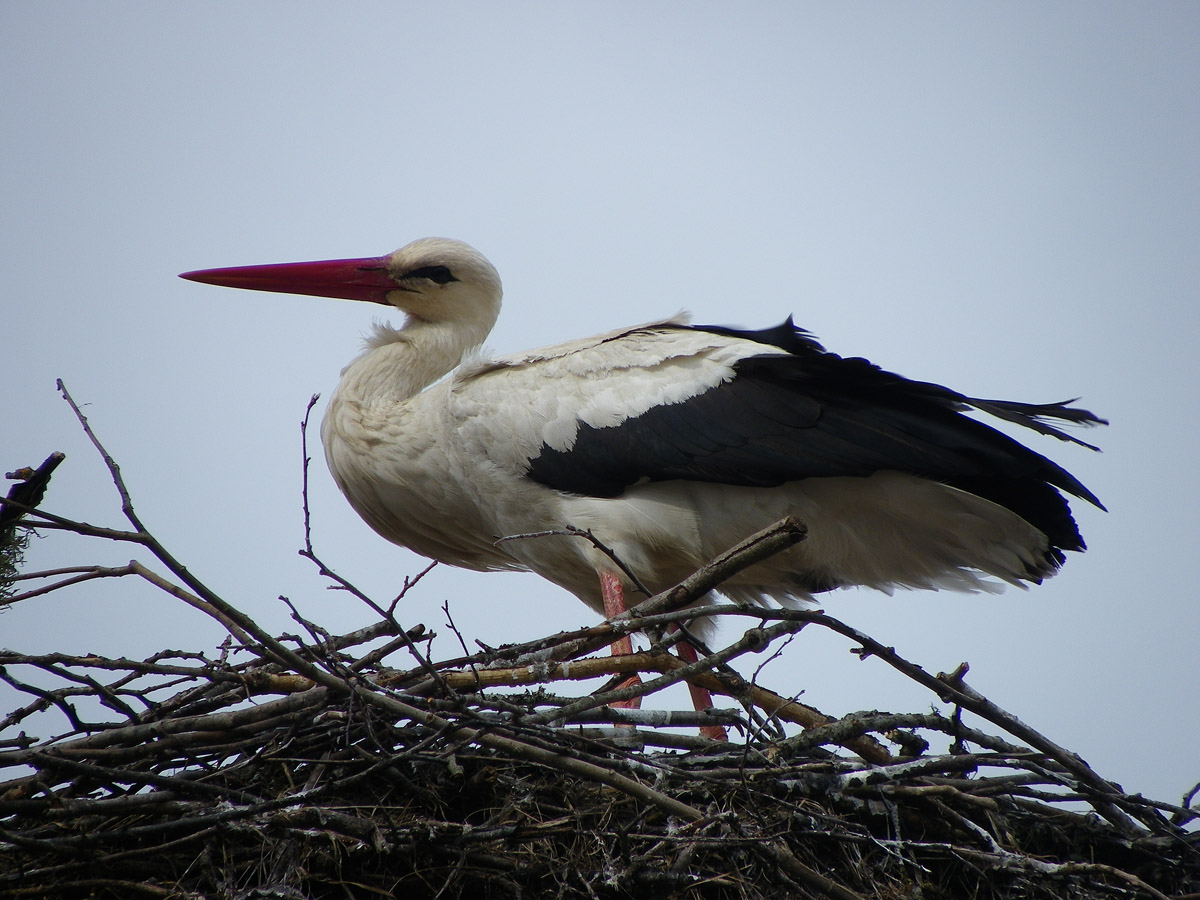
[{"x": 347, "y": 279}]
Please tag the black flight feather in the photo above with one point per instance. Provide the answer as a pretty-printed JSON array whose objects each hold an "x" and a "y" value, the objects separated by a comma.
[{"x": 798, "y": 411}]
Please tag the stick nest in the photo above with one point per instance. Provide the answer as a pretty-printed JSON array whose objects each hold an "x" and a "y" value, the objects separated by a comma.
[{"x": 358, "y": 766}]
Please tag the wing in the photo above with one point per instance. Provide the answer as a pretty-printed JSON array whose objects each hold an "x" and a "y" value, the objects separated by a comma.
[{"x": 779, "y": 407}]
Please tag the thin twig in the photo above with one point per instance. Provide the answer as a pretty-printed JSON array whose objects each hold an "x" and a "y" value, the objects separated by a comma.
[{"x": 310, "y": 554}]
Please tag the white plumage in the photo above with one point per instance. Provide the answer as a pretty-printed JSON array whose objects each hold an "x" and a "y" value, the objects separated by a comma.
[{"x": 670, "y": 443}]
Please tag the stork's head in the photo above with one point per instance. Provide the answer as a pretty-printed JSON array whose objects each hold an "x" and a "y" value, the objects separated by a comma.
[
  {"x": 435, "y": 280},
  {"x": 439, "y": 279}
]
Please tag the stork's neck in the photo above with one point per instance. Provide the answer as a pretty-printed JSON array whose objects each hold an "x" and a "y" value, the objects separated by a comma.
[{"x": 400, "y": 363}]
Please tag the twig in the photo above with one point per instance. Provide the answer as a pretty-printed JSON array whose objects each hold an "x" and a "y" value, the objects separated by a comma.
[
  {"x": 310, "y": 554},
  {"x": 572, "y": 531},
  {"x": 113, "y": 469}
]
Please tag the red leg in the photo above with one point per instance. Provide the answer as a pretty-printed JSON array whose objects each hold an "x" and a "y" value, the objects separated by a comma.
[
  {"x": 614, "y": 603},
  {"x": 701, "y": 698}
]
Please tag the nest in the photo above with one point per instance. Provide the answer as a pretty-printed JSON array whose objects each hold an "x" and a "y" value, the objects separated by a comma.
[{"x": 357, "y": 766}]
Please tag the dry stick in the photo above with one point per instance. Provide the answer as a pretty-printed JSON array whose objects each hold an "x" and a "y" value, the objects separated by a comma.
[
  {"x": 757, "y": 547},
  {"x": 409, "y": 584},
  {"x": 1109, "y": 794},
  {"x": 806, "y": 716},
  {"x": 84, "y": 529},
  {"x": 108, "y": 695},
  {"x": 85, "y": 573},
  {"x": 676, "y": 671},
  {"x": 133, "y": 567},
  {"x": 790, "y": 710},
  {"x": 134, "y": 667},
  {"x": 684, "y": 671},
  {"x": 113, "y": 468},
  {"x": 56, "y": 807},
  {"x": 660, "y": 718},
  {"x": 577, "y": 642},
  {"x": 572, "y": 531},
  {"x": 853, "y": 739},
  {"x": 134, "y": 777},
  {"x": 147, "y": 732},
  {"x": 536, "y": 654}
]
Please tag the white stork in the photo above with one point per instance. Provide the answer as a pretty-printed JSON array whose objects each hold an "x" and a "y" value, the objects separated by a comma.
[{"x": 669, "y": 442}]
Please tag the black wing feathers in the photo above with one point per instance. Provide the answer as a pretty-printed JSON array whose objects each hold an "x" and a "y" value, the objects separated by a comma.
[{"x": 798, "y": 411}]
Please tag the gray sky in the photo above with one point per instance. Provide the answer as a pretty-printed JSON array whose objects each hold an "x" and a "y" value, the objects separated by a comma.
[{"x": 1004, "y": 199}]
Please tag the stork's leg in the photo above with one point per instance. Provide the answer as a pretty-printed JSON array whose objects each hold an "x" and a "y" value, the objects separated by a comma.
[
  {"x": 701, "y": 698},
  {"x": 614, "y": 604}
]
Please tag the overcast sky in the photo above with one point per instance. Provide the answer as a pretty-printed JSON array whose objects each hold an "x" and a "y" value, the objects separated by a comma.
[{"x": 1002, "y": 198}]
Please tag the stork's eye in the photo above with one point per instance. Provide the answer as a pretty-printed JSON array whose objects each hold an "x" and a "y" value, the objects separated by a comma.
[{"x": 436, "y": 274}]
